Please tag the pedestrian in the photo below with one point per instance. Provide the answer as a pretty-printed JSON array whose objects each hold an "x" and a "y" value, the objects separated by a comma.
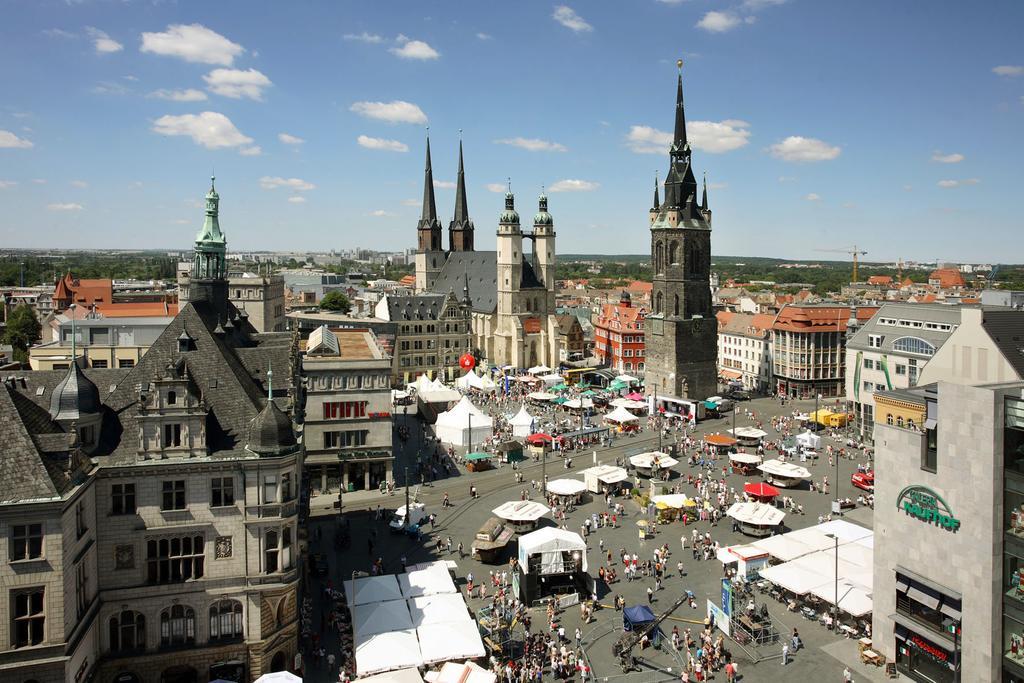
[
  {"x": 847, "y": 675},
  {"x": 462, "y": 553},
  {"x": 579, "y": 637},
  {"x": 785, "y": 654},
  {"x": 650, "y": 595},
  {"x": 330, "y": 661}
]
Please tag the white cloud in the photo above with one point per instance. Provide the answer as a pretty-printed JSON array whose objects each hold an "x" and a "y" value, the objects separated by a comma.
[
  {"x": 708, "y": 136},
  {"x": 236, "y": 83},
  {"x": 396, "y": 111},
  {"x": 363, "y": 37},
  {"x": 717, "y": 186},
  {"x": 69, "y": 206},
  {"x": 573, "y": 185},
  {"x": 252, "y": 151},
  {"x": 414, "y": 49},
  {"x": 381, "y": 213},
  {"x": 567, "y": 17},
  {"x": 382, "y": 144},
  {"x": 532, "y": 144},
  {"x": 193, "y": 43},
  {"x": 295, "y": 199},
  {"x": 484, "y": 36},
  {"x": 1008, "y": 70},
  {"x": 947, "y": 158},
  {"x": 755, "y": 5},
  {"x": 958, "y": 183},
  {"x": 800, "y": 149},
  {"x": 12, "y": 141},
  {"x": 444, "y": 184},
  {"x": 131, "y": 78},
  {"x": 187, "y": 95},
  {"x": 718, "y": 22},
  {"x": 718, "y": 136},
  {"x": 289, "y": 139},
  {"x": 410, "y": 202},
  {"x": 813, "y": 197},
  {"x": 210, "y": 129},
  {"x": 58, "y": 33},
  {"x": 103, "y": 43},
  {"x": 109, "y": 88},
  {"x": 497, "y": 188},
  {"x": 39, "y": 181},
  {"x": 4, "y": 184},
  {"x": 787, "y": 179},
  {"x": 294, "y": 184},
  {"x": 81, "y": 184}
]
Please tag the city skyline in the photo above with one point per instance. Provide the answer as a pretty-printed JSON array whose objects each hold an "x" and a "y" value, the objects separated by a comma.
[{"x": 114, "y": 115}]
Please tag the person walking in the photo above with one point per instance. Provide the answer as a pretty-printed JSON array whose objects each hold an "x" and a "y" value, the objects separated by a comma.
[
  {"x": 847, "y": 675},
  {"x": 785, "y": 654}
]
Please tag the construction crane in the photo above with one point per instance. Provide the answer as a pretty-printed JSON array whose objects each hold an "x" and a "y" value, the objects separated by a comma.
[
  {"x": 853, "y": 251},
  {"x": 623, "y": 647}
]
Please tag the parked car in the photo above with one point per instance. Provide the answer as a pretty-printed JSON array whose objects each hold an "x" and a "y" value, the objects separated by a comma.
[{"x": 864, "y": 480}]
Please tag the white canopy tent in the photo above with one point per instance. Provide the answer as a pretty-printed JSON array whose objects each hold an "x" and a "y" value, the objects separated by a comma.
[
  {"x": 467, "y": 672},
  {"x": 784, "y": 547},
  {"x": 433, "y": 579},
  {"x": 551, "y": 380},
  {"x": 652, "y": 460},
  {"x": 745, "y": 458},
  {"x": 381, "y": 617},
  {"x": 522, "y": 423},
  {"x": 437, "y": 392},
  {"x": 410, "y": 675},
  {"x": 471, "y": 380},
  {"x": 566, "y": 487},
  {"x": 783, "y": 473},
  {"x": 809, "y": 440},
  {"x": 628, "y": 379},
  {"x": 676, "y": 501},
  {"x": 540, "y": 396},
  {"x": 550, "y": 543},
  {"x": 796, "y": 579},
  {"x": 852, "y": 599},
  {"x": 369, "y": 589},
  {"x": 760, "y": 514},
  {"x": 440, "y": 642},
  {"x": 597, "y": 475},
  {"x": 627, "y": 403},
  {"x": 621, "y": 416},
  {"x": 387, "y": 652},
  {"x": 521, "y": 511},
  {"x": 748, "y": 433},
  {"x": 437, "y": 609},
  {"x": 578, "y": 404},
  {"x": 539, "y": 370},
  {"x": 463, "y": 425}
]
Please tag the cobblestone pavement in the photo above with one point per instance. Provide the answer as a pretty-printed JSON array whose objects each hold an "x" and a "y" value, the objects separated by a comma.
[{"x": 701, "y": 577}]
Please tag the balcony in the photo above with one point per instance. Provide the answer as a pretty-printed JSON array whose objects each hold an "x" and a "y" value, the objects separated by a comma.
[{"x": 271, "y": 510}]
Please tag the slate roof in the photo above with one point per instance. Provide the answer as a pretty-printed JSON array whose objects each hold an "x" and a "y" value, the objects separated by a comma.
[
  {"x": 1006, "y": 328},
  {"x": 933, "y": 313},
  {"x": 415, "y": 307},
  {"x": 23, "y": 472},
  {"x": 482, "y": 269}
]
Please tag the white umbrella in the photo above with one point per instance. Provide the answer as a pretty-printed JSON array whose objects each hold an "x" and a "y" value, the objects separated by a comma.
[
  {"x": 521, "y": 510},
  {"x": 647, "y": 460},
  {"x": 566, "y": 487},
  {"x": 756, "y": 513},
  {"x": 278, "y": 677}
]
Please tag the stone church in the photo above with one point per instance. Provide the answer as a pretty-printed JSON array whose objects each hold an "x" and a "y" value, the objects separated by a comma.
[
  {"x": 512, "y": 290},
  {"x": 681, "y": 331}
]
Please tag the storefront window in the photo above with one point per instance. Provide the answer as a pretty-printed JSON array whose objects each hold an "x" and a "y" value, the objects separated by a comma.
[
  {"x": 1013, "y": 576},
  {"x": 1013, "y": 506},
  {"x": 1013, "y": 640},
  {"x": 1013, "y": 438},
  {"x": 921, "y": 657}
]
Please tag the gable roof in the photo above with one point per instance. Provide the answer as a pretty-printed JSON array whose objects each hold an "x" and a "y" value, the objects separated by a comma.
[
  {"x": 1006, "y": 328},
  {"x": 23, "y": 472}
]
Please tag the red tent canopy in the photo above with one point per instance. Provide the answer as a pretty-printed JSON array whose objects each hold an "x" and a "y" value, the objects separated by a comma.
[
  {"x": 761, "y": 490},
  {"x": 539, "y": 439}
]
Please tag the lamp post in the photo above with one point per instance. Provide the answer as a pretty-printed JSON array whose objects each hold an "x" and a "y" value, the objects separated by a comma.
[{"x": 835, "y": 605}]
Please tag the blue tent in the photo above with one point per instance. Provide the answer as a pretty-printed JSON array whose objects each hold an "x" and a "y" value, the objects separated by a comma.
[{"x": 639, "y": 616}]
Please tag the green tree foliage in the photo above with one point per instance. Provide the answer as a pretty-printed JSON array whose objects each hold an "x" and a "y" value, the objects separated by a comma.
[
  {"x": 22, "y": 331},
  {"x": 335, "y": 301},
  {"x": 45, "y": 270}
]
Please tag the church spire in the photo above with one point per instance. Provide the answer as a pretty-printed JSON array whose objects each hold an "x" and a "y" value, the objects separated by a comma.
[
  {"x": 460, "y": 230},
  {"x": 429, "y": 228},
  {"x": 679, "y": 139},
  {"x": 704, "y": 196},
  {"x": 657, "y": 202}
]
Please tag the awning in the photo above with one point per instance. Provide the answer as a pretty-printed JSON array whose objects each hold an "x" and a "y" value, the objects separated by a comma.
[
  {"x": 730, "y": 374},
  {"x": 922, "y": 597},
  {"x": 950, "y": 611},
  {"x": 928, "y": 583},
  {"x": 924, "y": 632}
]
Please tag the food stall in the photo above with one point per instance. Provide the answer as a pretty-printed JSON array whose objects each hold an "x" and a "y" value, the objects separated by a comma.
[
  {"x": 784, "y": 474},
  {"x": 744, "y": 463},
  {"x": 761, "y": 492},
  {"x": 509, "y": 451},
  {"x": 623, "y": 419},
  {"x": 720, "y": 442},
  {"x": 539, "y": 443},
  {"x": 748, "y": 558},
  {"x": 748, "y": 436},
  {"x": 478, "y": 462},
  {"x": 491, "y": 540},
  {"x": 756, "y": 519},
  {"x": 567, "y": 489},
  {"x": 653, "y": 464},
  {"x": 521, "y": 515},
  {"x": 601, "y": 477}
]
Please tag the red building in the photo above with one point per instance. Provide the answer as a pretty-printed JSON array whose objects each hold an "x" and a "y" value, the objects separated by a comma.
[{"x": 619, "y": 335}]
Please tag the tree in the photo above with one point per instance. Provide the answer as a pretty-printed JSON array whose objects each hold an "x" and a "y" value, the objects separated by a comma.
[
  {"x": 22, "y": 331},
  {"x": 335, "y": 301}
]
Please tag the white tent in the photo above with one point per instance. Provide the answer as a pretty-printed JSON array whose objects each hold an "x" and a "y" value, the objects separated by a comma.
[
  {"x": 550, "y": 543},
  {"x": 278, "y": 677},
  {"x": 676, "y": 501},
  {"x": 387, "y": 652},
  {"x": 540, "y": 396},
  {"x": 628, "y": 379},
  {"x": 471, "y": 380},
  {"x": 852, "y": 599},
  {"x": 468, "y": 672},
  {"x": 435, "y": 391},
  {"x": 566, "y": 487},
  {"x": 398, "y": 395},
  {"x": 808, "y": 440},
  {"x": 651, "y": 460},
  {"x": 373, "y": 589},
  {"x": 750, "y": 433},
  {"x": 621, "y": 415},
  {"x": 578, "y": 404},
  {"x": 422, "y": 383},
  {"x": 410, "y": 675},
  {"x": 463, "y": 425},
  {"x": 627, "y": 403},
  {"x": 521, "y": 511},
  {"x": 792, "y": 578},
  {"x": 380, "y": 617},
  {"x": 450, "y": 640},
  {"x": 522, "y": 423},
  {"x": 759, "y": 514},
  {"x": 597, "y": 475},
  {"x": 784, "y": 547},
  {"x": 551, "y": 380},
  {"x": 437, "y": 609},
  {"x": 430, "y": 580},
  {"x": 539, "y": 370}
]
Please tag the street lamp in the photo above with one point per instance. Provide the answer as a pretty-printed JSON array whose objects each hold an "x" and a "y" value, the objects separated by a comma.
[{"x": 835, "y": 605}]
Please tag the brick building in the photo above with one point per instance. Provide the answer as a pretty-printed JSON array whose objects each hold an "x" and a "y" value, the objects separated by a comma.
[{"x": 619, "y": 335}]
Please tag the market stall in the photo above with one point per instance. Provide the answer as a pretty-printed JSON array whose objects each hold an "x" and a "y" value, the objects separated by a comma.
[
  {"x": 478, "y": 462},
  {"x": 744, "y": 463},
  {"x": 463, "y": 425},
  {"x": 521, "y": 515},
  {"x": 748, "y": 436},
  {"x": 653, "y": 464},
  {"x": 760, "y": 491},
  {"x": 749, "y": 559},
  {"x": 808, "y": 440},
  {"x": 380, "y": 617},
  {"x": 720, "y": 442},
  {"x": 466, "y": 672},
  {"x": 387, "y": 651},
  {"x": 522, "y": 423},
  {"x": 756, "y": 519},
  {"x": 541, "y": 396},
  {"x": 369, "y": 589},
  {"x": 552, "y": 561},
  {"x": 628, "y": 403},
  {"x": 491, "y": 540},
  {"x": 450, "y": 640},
  {"x": 623, "y": 419},
  {"x": 579, "y": 404},
  {"x": 567, "y": 489},
  {"x": 471, "y": 380},
  {"x": 509, "y": 451},
  {"x": 432, "y": 578},
  {"x": 604, "y": 477},
  {"x": 784, "y": 474}
]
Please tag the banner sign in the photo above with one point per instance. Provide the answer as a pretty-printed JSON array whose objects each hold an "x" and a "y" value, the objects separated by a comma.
[{"x": 928, "y": 506}]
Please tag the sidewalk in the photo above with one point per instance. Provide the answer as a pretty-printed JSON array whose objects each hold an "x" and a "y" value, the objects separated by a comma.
[{"x": 846, "y": 652}]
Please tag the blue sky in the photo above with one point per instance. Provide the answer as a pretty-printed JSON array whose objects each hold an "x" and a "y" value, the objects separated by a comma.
[{"x": 895, "y": 126}]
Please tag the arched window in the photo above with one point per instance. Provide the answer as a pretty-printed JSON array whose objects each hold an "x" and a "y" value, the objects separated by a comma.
[
  {"x": 675, "y": 305},
  {"x": 657, "y": 303},
  {"x": 177, "y": 626},
  {"x": 127, "y": 632},
  {"x": 673, "y": 252},
  {"x": 226, "y": 620},
  {"x": 658, "y": 258},
  {"x": 629, "y": 366},
  {"x": 913, "y": 345},
  {"x": 899, "y": 421},
  {"x": 172, "y": 398},
  {"x": 888, "y": 419},
  {"x": 911, "y": 424}
]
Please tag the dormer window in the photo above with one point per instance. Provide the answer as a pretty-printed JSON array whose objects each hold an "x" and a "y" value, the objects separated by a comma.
[{"x": 172, "y": 398}]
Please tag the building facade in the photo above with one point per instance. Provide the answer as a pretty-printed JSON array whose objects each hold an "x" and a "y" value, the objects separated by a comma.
[
  {"x": 347, "y": 424},
  {"x": 681, "y": 331},
  {"x": 431, "y": 332},
  {"x": 809, "y": 349},
  {"x": 511, "y": 291},
  {"x": 890, "y": 351},
  {"x": 744, "y": 349},
  {"x": 619, "y": 336},
  {"x": 152, "y": 518},
  {"x": 99, "y": 342},
  {"x": 260, "y": 297}
]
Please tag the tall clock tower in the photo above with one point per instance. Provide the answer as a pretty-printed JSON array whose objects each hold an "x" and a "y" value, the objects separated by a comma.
[{"x": 681, "y": 331}]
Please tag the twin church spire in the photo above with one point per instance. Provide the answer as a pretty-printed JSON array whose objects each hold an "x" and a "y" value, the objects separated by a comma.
[{"x": 460, "y": 230}]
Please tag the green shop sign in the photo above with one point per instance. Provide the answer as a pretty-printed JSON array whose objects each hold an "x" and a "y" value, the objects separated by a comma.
[{"x": 928, "y": 506}]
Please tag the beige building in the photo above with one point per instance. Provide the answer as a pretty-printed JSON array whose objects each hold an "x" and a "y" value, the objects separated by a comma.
[
  {"x": 347, "y": 424},
  {"x": 431, "y": 332},
  {"x": 981, "y": 350},
  {"x": 258, "y": 297},
  {"x": 97, "y": 341}
]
